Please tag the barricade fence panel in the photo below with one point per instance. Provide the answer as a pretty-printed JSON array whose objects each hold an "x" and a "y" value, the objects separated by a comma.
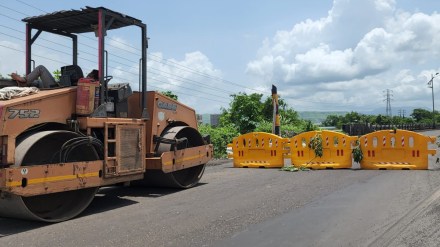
[
  {"x": 396, "y": 149},
  {"x": 336, "y": 150},
  {"x": 259, "y": 149}
]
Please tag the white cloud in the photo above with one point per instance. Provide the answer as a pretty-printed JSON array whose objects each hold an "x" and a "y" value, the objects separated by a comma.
[
  {"x": 384, "y": 5},
  {"x": 116, "y": 43},
  {"x": 194, "y": 79},
  {"x": 358, "y": 50}
]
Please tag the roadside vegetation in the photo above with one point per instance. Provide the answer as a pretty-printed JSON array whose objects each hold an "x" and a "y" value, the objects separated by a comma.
[
  {"x": 418, "y": 116},
  {"x": 253, "y": 113}
]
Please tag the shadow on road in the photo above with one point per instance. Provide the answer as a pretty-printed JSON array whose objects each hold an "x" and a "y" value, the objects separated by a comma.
[
  {"x": 13, "y": 226},
  {"x": 107, "y": 198},
  {"x": 110, "y": 198}
]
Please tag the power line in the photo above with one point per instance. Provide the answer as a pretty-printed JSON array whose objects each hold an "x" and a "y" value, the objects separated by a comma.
[
  {"x": 16, "y": 11},
  {"x": 83, "y": 52},
  {"x": 182, "y": 79},
  {"x": 177, "y": 92},
  {"x": 185, "y": 68},
  {"x": 186, "y": 80},
  {"x": 154, "y": 58},
  {"x": 122, "y": 79},
  {"x": 153, "y": 86},
  {"x": 182, "y": 67},
  {"x": 31, "y": 6},
  {"x": 192, "y": 89},
  {"x": 10, "y": 17}
]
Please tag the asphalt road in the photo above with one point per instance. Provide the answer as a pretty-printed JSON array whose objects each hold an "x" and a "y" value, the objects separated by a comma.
[{"x": 255, "y": 207}]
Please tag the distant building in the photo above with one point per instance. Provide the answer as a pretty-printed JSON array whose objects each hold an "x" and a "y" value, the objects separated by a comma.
[
  {"x": 211, "y": 119},
  {"x": 215, "y": 119}
]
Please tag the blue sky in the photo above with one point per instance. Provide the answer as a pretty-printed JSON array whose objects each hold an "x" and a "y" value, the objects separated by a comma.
[{"x": 323, "y": 55}]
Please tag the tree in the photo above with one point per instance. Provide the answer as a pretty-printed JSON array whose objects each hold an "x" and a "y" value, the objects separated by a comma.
[
  {"x": 287, "y": 114},
  {"x": 421, "y": 115},
  {"x": 268, "y": 107},
  {"x": 245, "y": 112},
  {"x": 170, "y": 94},
  {"x": 220, "y": 137},
  {"x": 310, "y": 126},
  {"x": 290, "y": 116},
  {"x": 333, "y": 120},
  {"x": 353, "y": 117}
]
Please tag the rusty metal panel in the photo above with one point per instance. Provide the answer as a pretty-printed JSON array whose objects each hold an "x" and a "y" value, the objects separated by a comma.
[
  {"x": 130, "y": 148},
  {"x": 2, "y": 178},
  {"x": 186, "y": 158},
  {"x": 91, "y": 122},
  {"x": 51, "y": 178},
  {"x": 19, "y": 114},
  {"x": 162, "y": 111}
]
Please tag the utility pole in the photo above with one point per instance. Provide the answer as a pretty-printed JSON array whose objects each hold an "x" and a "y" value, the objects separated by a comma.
[
  {"x": 388, "y": 95},
  {"x": 402, "y": 113},
  {"x": 276, "y": 114},
  {"x": 431, "y": 85}
]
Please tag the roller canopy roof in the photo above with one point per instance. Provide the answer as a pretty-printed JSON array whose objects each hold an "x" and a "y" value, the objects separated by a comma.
[{"x": 80, "y": 21}]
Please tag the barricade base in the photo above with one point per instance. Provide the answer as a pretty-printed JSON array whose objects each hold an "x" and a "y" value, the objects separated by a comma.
[
  {"x": 257, "y": 164},
  {"x": 393, "y": 166},
  {"x": 324, "y": 165}
]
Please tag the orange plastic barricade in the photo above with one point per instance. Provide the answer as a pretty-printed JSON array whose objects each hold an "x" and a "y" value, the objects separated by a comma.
[
  {"x": 336, "y": 150},
  {"x": 258, "y": 150},
  {"x": 395, "y": 150}
]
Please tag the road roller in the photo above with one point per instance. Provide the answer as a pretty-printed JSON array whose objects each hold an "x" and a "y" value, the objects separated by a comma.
[{"x": 60, "y": 144}]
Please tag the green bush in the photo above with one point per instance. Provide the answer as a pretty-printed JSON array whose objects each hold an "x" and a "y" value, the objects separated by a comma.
[
  {"x": 287, "y": 130},
  {"x": 264, "y": 126},
  {"x": 220, "y": 137}
]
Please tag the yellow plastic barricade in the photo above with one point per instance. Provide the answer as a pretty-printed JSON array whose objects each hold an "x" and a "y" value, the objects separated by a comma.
[
  {"x": 336, "y": 150},
  {"x": 395, "y": 150},
  {"x": 258, "y": 150}
]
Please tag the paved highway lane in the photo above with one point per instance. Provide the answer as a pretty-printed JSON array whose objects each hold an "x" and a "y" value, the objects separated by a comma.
[
  {"x": 352, "y": 216},
  {"x": 254, "y": 207}
]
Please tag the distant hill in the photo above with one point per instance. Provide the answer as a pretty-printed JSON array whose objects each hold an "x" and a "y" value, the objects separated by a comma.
[
  {"x": 319, "y": 116},
  {"x": 395, "y": 111}
]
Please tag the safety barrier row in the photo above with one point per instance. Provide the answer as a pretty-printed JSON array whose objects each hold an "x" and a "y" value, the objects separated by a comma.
[{"x": 386, "y": 149}]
